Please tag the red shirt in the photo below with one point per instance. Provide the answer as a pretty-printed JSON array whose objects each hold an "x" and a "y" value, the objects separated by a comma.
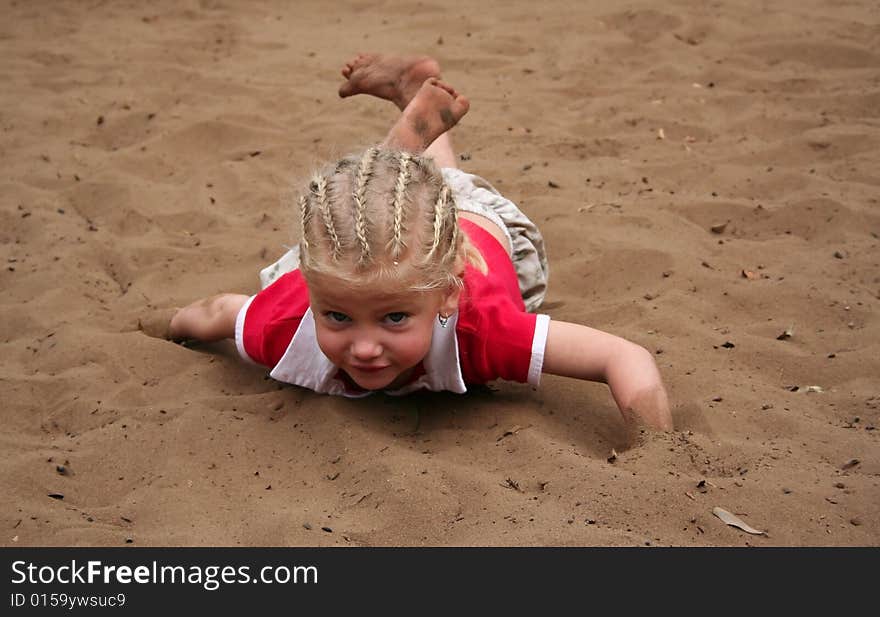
[{"x": 496, "y": 336}]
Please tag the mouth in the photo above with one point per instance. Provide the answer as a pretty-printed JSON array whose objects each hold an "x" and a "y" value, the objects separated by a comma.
[{"x": 368, "y": 369}]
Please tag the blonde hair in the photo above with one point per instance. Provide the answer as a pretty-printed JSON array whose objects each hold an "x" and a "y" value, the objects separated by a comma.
[{"x": 384, "y": 218}]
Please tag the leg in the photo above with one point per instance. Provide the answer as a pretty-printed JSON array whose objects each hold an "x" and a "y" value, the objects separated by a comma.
[
  {"x": 442, "y": 152},
  {"x": 207, "y": 320}
]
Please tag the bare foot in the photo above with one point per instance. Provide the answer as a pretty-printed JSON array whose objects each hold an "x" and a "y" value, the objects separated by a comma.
[
  {"x": 435, "y": 108},
  {"x": 393, "y": 78}
]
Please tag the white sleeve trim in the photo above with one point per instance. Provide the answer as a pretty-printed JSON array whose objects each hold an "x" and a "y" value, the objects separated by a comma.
[
  {"x": 539, "y": 342},
  {"x": 239, "y": 331}
]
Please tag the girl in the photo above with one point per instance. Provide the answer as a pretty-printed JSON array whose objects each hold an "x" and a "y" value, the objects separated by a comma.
[{"x": 413, "y": 274}]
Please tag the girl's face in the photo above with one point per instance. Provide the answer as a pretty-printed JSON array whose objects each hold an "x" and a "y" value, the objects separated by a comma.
[{"x": 377, "y": 338}]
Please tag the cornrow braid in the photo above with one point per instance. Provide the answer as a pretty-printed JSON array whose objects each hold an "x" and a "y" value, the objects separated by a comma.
[
  {"x": 306, "y": 216},
  {"x": 439, "y": 207},
  {"x": 364, "y": 172},
  {"x": 323, "y": 197},
  {"x": 403, "y": 177},
  {"x": 452, "y": 252}
]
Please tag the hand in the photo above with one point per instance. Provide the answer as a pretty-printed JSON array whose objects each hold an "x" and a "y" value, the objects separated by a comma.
[{"x": 649, "y": 407}]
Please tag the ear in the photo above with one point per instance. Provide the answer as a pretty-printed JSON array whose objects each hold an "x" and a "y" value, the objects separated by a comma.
[{"x": 449, "y": 303}]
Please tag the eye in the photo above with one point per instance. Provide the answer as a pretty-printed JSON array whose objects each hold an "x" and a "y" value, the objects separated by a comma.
[
  {"x": 337, "y": 317},
  {"x": 396, "y": 318}
]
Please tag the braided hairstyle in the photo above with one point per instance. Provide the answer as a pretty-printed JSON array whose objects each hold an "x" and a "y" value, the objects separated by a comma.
[{"x": 385, "y": 218}]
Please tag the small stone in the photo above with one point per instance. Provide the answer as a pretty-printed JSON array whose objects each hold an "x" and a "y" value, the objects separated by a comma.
[
  {"x": 307, "y": 526},
  {"x": 718, "y": 228},
  {"x": 839, "y": 254},
  {"x": 855, "y": 521},
  {"x": 717, "y": 399},
  {"x": 787, "y": 491},
  {"x": 327, "y": 529},
  {"x": 839, "y": 485}
]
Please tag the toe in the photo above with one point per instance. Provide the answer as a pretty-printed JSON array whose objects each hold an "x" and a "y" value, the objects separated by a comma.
[
  {"x": 361, "y": 60},
  {"x": 346, "y": 89},
  {"x": 446, "y": 87},
  {"x": 460, "y": 106}
]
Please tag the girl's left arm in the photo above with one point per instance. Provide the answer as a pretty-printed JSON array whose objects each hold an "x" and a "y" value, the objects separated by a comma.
[{"x": 629, "y": 370}]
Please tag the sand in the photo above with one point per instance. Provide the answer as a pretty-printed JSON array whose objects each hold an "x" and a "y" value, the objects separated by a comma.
[{"x": 705, "y": 176}]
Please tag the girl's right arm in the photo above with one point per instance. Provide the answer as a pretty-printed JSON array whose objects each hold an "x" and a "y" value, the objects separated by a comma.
[
  {"x": 207, "y": 320},
  {"x": 629, "y": 370}
]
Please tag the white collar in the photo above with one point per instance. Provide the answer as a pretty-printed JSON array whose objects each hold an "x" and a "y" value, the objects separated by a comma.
[{"x": 304, "y": 364}]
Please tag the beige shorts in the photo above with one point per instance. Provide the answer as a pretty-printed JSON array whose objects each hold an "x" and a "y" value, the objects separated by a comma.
[{"x": 474, "y": 194}]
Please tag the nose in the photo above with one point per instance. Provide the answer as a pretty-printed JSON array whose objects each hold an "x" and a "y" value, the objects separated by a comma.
[{"x": 365, "y": 347}]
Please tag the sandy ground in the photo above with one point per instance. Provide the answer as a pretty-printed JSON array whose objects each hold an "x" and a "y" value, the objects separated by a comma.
[{"x": 705, "y": 176}]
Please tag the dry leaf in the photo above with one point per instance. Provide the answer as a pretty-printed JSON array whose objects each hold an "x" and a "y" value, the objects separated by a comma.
[
  {"x": 735, "y": 521},
  {"x": 718, "y": 228}
]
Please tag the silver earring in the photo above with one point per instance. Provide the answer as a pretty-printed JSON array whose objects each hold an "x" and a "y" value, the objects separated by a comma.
[{"x": 443, "y": 319}]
